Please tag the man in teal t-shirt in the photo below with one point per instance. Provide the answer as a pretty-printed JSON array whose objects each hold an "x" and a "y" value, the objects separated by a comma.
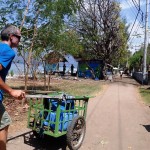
[{"x": 10, "y": 37}]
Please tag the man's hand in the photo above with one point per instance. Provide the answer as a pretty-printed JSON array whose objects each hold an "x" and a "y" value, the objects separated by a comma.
[{"x": 19, "y": 94}]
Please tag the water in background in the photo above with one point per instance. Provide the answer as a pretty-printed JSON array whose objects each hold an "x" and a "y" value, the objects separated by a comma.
[{"x": 18, "y": 69}]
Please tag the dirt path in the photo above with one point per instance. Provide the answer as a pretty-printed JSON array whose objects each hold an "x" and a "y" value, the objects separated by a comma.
[{"x": 116, "y": 120}]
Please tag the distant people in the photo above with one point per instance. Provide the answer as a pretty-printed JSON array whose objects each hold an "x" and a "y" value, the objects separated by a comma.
[
  {"x": 104, "y": 74},
  {"x": 72, "y": 68},
  {"x": 64, "y": 69},
  {"x": 121, "y": 74},
  {"x": 109, "y": 74}
]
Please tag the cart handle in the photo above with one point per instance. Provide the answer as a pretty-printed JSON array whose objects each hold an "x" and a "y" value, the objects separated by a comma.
[{"x": 59, "y": 97}]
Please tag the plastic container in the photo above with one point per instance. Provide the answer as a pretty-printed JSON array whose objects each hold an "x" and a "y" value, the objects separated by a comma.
[{"x": 64, "y": 121}]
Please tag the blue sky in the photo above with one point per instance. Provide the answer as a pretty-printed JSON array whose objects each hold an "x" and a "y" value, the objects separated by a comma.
[{"x": 129, "y": 11}]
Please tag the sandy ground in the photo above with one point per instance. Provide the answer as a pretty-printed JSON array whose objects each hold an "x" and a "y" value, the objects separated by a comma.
[{"x": 117, "y": 120}]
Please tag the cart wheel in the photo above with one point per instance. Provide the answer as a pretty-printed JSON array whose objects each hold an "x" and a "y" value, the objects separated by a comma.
[
  {"x": 76, "y": 132},
  {"x": 35, "y": 134}
]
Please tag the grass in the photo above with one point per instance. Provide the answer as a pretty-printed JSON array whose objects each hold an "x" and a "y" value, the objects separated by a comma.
[
  {"x": 78, "y": 88},
  {"x": 145, "y": 93},
  {"x": 81, "y": 87}
]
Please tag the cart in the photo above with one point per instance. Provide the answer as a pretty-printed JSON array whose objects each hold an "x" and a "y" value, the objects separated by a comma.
[{"x": 57, "y": 114}]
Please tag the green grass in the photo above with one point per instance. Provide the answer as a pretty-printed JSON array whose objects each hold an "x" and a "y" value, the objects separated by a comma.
[
  {"x": 79, "y": 88},
  {"x": 145, "y": 93}
]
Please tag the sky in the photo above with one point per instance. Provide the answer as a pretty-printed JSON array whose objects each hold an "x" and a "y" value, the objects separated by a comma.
[{"x": 129, "y": 10}]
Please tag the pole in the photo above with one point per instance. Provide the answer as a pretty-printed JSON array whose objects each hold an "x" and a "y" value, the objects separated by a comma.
[{"x": 145, "y": 42}]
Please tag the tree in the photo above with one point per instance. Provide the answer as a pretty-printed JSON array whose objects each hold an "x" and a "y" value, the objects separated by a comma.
[
  {"x": 41, "y": 22},
  {"x": 136, "y": 60},
  {"x": 103, "y": 32}
]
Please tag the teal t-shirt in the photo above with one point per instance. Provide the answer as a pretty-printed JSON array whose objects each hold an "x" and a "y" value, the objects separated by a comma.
[{"x": 7, "y": 54}]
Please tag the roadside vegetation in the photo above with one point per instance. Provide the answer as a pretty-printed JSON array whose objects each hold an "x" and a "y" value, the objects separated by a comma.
[
  {"x": 135, "y": 61},
  {"x": 80, "y": 87},
  {"x": 145, "y": 93}
]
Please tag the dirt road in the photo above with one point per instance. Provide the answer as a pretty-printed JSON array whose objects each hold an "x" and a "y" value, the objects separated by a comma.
[{"x": 116, "y": 120}]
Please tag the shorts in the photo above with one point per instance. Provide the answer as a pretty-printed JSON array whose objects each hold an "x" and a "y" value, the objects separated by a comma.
[{"x": 5, "y": 119}]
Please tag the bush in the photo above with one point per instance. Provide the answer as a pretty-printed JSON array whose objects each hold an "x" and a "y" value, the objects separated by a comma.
[{"x": 12, "y": 73}]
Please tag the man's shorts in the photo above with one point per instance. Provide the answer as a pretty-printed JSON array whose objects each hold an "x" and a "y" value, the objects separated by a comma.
[{"x": 5, "y": 119}]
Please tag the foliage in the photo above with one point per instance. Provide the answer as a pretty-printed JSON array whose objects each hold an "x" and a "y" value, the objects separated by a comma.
[
  {"x": 67, "y": 26},
  {"x": 44, "y": 18},
  {"x": 145, "y": 93},
  {"x": 148, "y": 55},
  {"x": 102, "y": 31},
  {"x": 42, "y": 24},
  {"x": 12, "y": 73},
  {"x": 136, "y": 60},
  {"x": 69, "y": 42}
]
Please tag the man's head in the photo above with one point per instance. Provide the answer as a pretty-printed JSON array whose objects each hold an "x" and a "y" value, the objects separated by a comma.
[{"x": 11, "y": 34}]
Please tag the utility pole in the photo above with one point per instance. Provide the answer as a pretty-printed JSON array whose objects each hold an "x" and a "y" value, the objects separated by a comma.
[{"x": 145, "y": 41}]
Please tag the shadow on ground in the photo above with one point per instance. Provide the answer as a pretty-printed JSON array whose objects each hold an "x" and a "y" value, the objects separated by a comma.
[
  {"x": 45, "y": 143},
  {"x": 127, "y": 80},
  {"x": 147, "y": 127}
]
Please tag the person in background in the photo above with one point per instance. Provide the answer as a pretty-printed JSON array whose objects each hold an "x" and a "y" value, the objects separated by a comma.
[
  {"x": 64, "y": 69},
  {"x": 110, "y": 74},
  {"x": 121, "y": 74},
  {"x": 72, "y": 68},
  {"x": 10, "y": 36}
]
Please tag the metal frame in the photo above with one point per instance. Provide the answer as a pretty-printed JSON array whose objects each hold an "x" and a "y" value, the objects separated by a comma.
[{"x": 56, "y": 127}]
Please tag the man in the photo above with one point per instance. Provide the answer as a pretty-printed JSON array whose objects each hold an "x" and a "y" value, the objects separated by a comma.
[
  {"x": 64, "y": 69},
  {"x": 10, "y": 37},
  {"x": 72, "y": 68}
]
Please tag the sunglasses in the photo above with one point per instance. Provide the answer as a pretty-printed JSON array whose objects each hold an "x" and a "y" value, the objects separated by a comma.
[{"x": 17, "y": 36}]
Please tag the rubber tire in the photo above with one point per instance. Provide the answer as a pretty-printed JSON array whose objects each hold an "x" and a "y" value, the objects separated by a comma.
[
  {"x": 71, "y": 130},
  {"x": 36, "y": 134}
]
